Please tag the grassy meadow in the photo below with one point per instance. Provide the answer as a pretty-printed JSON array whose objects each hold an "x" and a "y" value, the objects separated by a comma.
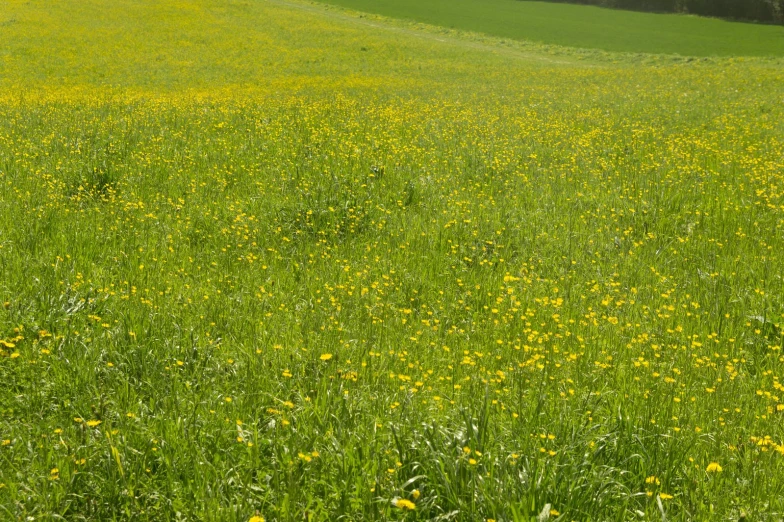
[
  {"x": 266, "y": 260},
  {"x": 586, "y": 26}
]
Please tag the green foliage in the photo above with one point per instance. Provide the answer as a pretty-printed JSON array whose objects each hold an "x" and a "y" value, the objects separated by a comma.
[{"x": 759, "y": 10}]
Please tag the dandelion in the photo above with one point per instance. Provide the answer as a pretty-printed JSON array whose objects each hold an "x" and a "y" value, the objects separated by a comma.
[
  {"x": 93, "y": 423},
  {"x": 325, "y": 356},
  {"x": 405, "y": 504},
  {"x": 665, "y": 496},
  {"x": 714, "y": 467},
  {"x": 256, "y": 518}
]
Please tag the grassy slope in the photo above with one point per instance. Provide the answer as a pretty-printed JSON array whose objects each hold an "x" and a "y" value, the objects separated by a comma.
[
  {"x": 587, "y": 26},
  {"x": 539, "y": 281}
]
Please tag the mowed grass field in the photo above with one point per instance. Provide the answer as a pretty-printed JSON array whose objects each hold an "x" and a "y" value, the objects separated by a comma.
[
  {"x": 271, "y": 260},
  {"x": 587, "y": 27}
]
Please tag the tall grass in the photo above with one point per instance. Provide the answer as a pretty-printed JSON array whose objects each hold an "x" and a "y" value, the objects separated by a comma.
[{"x": 417, "y": 281}]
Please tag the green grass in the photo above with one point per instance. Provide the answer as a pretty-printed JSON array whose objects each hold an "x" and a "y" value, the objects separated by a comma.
[
  {"x": 587, "y": 26},
  {"x": 276, "y": 259}
]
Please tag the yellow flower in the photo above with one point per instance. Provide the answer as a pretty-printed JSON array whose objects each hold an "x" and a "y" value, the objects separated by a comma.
[
  {"x": 714, "y": 467},
  {"x": 256, "y": 518},
  {"x": 415, "y": 494},
  {"x": 325, "y": 356},
  {"x": 93, "y": 423},
  {"x": 472, "y": 462},
  {"x": 405, "y": 504},
  {"x": 665, "y": 496}
]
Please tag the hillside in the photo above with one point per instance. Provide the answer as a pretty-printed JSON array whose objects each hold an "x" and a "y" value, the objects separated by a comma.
[{"x": 586, "y": 26}]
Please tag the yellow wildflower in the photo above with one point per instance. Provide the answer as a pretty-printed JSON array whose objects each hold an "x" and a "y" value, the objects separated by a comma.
[
  {"x": 405, "y": 504},
  {"x": 714, "y": 467}
]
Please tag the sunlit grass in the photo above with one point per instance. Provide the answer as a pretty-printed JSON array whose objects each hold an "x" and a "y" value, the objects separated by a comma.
[{"x": 328, "y": 269}]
